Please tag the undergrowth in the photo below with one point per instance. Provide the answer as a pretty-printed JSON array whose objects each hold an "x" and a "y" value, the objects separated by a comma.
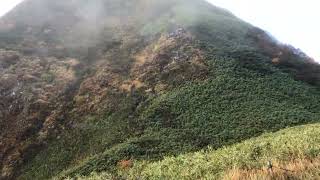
[
  {"x": 237, "y": 103},
  {"x": 293, "y": 152}
]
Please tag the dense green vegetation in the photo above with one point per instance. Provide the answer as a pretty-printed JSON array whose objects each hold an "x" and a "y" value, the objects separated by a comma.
[
  {"x": 285, "y": 146},
  {"x": 239, "y": 101},
  {"x": 243, "y": 95}
]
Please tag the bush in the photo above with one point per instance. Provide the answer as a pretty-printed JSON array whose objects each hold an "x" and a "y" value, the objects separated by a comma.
[{"x": 285, "y": 146}]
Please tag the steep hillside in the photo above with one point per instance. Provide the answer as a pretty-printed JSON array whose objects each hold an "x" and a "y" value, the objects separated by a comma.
[
  {"x": 85, "y": 85},
  {"x": 293, "y": 153}
]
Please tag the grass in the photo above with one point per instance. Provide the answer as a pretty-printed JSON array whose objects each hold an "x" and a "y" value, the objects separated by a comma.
[
  {"x": 297, "y": 169},
  {"x": 295, "y": 149}
]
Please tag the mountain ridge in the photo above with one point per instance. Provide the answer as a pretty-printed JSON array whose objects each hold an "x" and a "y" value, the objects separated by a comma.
[{"x": 154, "y": 78}]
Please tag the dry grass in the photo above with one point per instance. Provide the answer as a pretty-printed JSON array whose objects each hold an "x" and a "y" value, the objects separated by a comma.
[
  {"x": 297, "y": 169},
  {"x": 125, "y": 164}
]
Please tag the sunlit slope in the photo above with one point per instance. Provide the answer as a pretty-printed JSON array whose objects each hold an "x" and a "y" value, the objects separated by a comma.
[{"x": 291, "y": 153}]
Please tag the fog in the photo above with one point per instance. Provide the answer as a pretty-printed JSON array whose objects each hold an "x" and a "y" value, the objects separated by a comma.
[{"x": 297, "y": 26}]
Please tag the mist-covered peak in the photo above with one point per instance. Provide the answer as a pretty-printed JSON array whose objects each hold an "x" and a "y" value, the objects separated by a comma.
[
  {"x": 91, "y": 85},
  {"x": 82, "y": 24}
]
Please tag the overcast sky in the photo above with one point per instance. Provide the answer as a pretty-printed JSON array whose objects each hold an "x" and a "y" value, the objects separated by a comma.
[
  {"x": 7, "y": 5},
  {"x": 295, "y": 22}
]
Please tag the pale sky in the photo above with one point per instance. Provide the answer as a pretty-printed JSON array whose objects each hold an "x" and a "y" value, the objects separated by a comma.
[
  {"x": 296, "y": 22},
  {"x": 7, "y": 5}
]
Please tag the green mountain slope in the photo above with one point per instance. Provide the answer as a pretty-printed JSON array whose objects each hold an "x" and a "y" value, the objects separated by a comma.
[
  {"x": 95, "y": 83},
  {"x": 295, "y": 150}
]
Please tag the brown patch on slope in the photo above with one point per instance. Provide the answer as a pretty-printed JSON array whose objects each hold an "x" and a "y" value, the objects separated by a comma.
[
  {"x": 168, "y": 61},
  {"x": 171, "y": 60},
  {"x": 29, "y": 92},
  {"x": 293, "y": 60},
  {"x": 297, "y": 169}
]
